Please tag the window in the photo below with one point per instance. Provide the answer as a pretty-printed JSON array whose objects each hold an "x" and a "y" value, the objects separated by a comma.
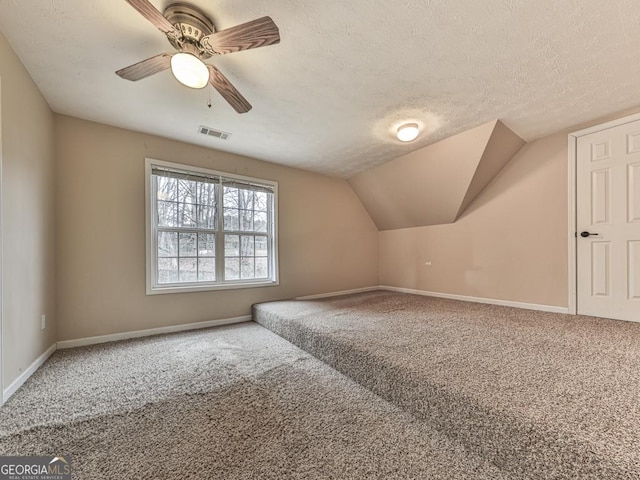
[{"x": 208, "y": 230}]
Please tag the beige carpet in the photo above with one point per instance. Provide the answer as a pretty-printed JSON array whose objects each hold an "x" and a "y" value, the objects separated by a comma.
[
  {"x": 234, "y": 402},
  {"x": 541, "y": 395}
]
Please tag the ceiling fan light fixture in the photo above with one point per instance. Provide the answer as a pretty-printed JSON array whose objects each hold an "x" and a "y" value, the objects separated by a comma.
[
  {"x": 408, "y": 132},
  {"x": 189, "y": 70}
]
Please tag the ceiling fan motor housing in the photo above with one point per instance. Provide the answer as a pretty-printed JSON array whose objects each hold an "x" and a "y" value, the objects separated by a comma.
[{"x": 192, "y": 23}]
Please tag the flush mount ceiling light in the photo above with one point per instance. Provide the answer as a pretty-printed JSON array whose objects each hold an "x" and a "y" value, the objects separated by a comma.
[
  {"x": 408, "y": 132},
  {"x": 189, "y": 70}
]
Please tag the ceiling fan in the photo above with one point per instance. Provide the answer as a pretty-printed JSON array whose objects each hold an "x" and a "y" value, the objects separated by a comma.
[{"x": 192, "y": 33}]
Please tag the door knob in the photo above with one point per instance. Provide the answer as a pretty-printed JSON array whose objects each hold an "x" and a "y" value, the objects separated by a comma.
[{"x": 587, "y": 234}]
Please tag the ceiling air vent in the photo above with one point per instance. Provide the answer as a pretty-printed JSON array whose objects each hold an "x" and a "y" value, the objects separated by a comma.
[{"x": 212, "y": 132}]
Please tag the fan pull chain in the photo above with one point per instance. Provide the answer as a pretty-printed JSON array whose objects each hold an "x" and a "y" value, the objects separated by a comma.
[{"x": 209, "y": 101}]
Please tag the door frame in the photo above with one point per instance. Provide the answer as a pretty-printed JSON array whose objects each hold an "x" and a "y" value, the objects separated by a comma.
[{"x": 573, "y": 203}]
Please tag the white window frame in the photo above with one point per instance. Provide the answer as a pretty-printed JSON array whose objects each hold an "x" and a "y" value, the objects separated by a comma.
[{"x": 151, "y": 236}]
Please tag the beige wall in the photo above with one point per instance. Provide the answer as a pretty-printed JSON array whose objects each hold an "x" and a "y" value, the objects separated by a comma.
[
  {"x": 510, "y": 244},
  {"x": 28, "y": 227},
  {"x": 327, "y": 242}
]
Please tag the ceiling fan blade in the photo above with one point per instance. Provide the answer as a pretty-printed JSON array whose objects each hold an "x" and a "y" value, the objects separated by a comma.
[
  {"x": 146, "y": 68},
  {"x": 148, "y": 11},
  {"x": 257, "y": 33},
  {"x": 228, "y": 91}
]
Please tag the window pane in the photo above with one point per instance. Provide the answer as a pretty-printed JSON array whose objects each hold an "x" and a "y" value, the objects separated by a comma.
[
  {"x": 188, "y": 244},
  {"x": 231, "y": 219},
  {"x": 262, "y": 268},
  {"x": 261, "y": 201},
  {"x": 167, "y": 270},
  {"x": 231, "y": 245},
  {"x": 207, "y": 193},
  {"x": 187, "y": 191},
  {"x": 230, "y": 197},
  {"x": 206, "y": 245},
  {"x": 260, "y": 222},
  {"x": 247, "y": 268},
  {"x": 246, "y": 246},
  {"x": 166, "y": 188},
  {"x": 188, "y": 269},
  {"x": 207, "y": 217},
  {"x": 261, "y": 246},
  {"x": 167, "y": 214},
  {"x": 167, "y": 244},
  {"x": 191, "y": 212},
  {"x": 206, "y": 269},
  {"x": 186, "y": 215},
  {"x": 231, "y": 268},
  {"x": 246, "y": 199},
  {"x": 246, "y": 220}
]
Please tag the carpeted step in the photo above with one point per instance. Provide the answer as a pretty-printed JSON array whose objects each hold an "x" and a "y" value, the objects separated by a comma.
[
  {"x": 233, "y": 403},
  {"x": 540, "y": 395}
]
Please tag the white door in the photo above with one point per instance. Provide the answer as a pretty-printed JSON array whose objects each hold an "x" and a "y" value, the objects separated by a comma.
[{"x": 608, "y": 222}]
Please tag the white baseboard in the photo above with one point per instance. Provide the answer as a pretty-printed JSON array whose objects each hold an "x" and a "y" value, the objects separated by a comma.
[
  {"x": 114, "y": 337},
  {"x": 24, "y": 376},
  {"x": 336, "y": 294},
  {"x": 491, "y": 301}
]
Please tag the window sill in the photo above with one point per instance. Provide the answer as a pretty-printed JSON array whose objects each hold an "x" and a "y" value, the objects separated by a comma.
[{"x": 208, "y": 288}]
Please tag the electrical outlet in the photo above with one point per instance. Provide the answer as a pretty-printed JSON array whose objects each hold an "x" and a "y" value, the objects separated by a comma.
[{"x": 43, "y": 322}]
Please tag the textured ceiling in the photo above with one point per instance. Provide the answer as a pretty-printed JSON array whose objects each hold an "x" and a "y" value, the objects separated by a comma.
[{"x": 345, "y": 73}]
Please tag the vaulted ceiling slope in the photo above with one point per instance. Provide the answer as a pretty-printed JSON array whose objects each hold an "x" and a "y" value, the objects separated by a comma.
[
  {"x": 345, "y": 72},
  {"x": 434, "y": 185}
]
